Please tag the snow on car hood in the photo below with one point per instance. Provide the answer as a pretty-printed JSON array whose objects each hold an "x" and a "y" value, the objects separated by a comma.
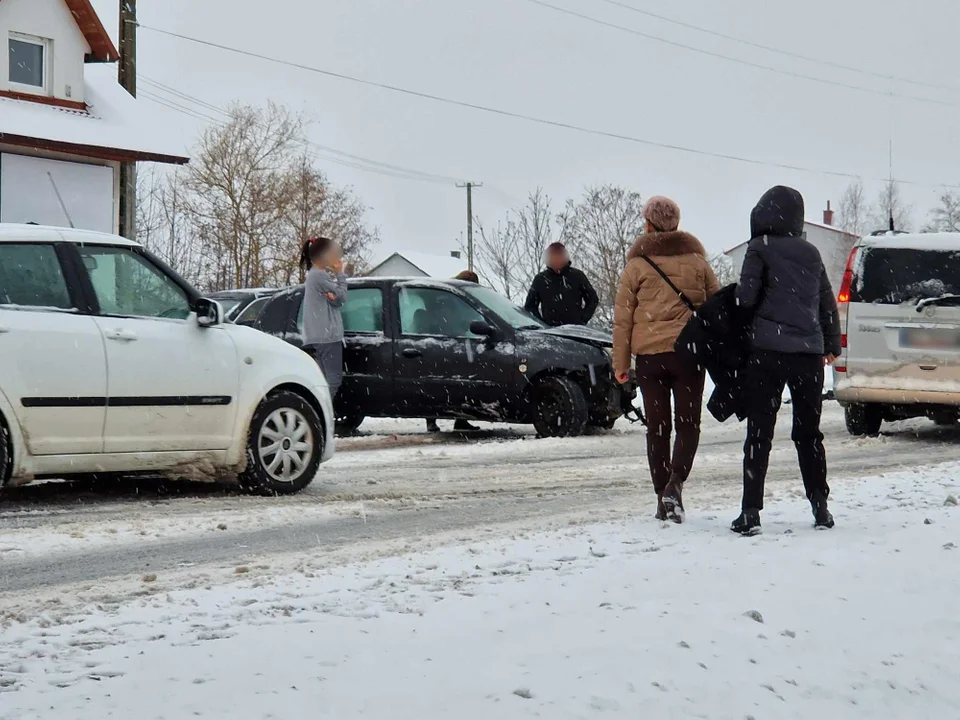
[{"x": 580, "y": 333}]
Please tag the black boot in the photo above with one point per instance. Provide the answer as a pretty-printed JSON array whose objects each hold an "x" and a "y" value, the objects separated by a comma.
[
  {"x": 673, "y": 501},
  {"x": 748, "y": 523},
  {"x": 822, "y": 519},
  {"x": 661, "y": 510}
]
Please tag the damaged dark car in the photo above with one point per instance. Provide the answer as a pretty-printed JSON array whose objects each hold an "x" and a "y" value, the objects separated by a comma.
[{"x": 455, "y": 350}]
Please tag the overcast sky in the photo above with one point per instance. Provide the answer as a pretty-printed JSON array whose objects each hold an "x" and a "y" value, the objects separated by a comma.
[{"x": 526, "y": 58}]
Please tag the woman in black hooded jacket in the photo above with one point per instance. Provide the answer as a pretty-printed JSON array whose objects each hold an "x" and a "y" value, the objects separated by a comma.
[{"x": 795, "y": 332}]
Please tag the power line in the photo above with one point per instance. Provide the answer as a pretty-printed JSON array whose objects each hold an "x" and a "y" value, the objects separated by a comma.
[
  {"x": 359, "y": 162},
  {"x": 781, "y": 51},
  {"x": 521, "y": 116},
  {"x": 740, "y": 61}
]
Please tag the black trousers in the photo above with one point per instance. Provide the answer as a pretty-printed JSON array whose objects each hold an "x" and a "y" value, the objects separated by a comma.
[
  {"x": 767, "y": 373},
  {"x": 660, "y": 378}
]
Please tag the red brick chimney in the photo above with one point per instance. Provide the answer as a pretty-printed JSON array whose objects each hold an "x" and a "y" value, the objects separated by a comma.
[{"x": 828, "y": 215}]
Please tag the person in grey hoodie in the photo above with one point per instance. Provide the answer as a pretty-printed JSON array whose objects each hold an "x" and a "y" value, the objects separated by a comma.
[{"x": 325, "y": 291}]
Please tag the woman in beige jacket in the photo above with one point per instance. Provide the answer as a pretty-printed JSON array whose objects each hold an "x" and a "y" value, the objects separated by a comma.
[{"x": 648, "y": 317}]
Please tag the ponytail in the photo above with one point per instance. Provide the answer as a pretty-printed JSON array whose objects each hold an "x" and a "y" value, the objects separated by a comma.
[{"x": 312, "y": 249}]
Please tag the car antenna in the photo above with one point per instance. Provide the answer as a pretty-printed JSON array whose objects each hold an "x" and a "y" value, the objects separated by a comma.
[
  {"x": 60, "y": 200},
  {"x": 890, "y": 183}
]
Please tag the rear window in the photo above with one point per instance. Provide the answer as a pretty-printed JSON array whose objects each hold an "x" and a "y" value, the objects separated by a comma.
[{"x": 892, "y": 276}]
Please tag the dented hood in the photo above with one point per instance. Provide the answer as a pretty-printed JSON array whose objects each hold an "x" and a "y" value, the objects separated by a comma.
[{"x": 580, "y": 333}]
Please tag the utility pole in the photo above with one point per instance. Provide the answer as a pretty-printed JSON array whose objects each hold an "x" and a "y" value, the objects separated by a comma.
[
  {"x": 469, "y": 186},
  {"x": 128, "y": 78}
]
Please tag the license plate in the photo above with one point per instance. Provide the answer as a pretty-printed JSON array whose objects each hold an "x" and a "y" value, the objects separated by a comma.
[{"x": 930, "y": 338}]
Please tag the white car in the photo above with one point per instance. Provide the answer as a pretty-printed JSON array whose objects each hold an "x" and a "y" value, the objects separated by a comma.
[
  {"x": 900, "y": 311},
  {"x": 112, "y": 363}
]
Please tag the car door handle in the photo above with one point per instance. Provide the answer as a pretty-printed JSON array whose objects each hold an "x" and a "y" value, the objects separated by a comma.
[
  {"x": 928, "y": 367},
  {"x": 120, "y": 335},
  {"x": 412, "y": 353}
]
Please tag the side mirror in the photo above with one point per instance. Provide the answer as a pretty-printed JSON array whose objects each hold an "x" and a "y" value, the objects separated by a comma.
[
  {"x": 483, "y": 329},
  {"x": 209, "y": 312}
]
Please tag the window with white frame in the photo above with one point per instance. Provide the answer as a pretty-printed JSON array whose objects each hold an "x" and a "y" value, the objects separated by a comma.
[{"x": 28, "y": 62}]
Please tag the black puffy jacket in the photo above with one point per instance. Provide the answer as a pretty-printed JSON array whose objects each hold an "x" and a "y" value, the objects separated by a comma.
[
  {"x": 784, "y": 282},
  {"x": 562, "y": 298}
]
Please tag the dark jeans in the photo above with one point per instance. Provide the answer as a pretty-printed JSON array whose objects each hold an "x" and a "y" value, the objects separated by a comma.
[
  {"x": 659, "y": 377},
  {"x": 767, "y": 374},
  {"x": 329, "y": 357}
]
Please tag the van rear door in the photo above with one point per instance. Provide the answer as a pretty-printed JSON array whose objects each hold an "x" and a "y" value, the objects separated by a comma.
[{"x": 903, "y": 323}]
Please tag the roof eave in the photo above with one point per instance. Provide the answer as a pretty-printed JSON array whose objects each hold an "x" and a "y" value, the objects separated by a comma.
[{"x": 92, "y": 151}]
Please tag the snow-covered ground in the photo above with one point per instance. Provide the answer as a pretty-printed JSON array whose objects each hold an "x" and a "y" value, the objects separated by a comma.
[{"x": 625, "y": 619}]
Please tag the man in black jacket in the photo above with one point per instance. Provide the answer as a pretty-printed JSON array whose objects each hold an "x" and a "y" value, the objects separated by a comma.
[
  {"x": 561, "y": 294},
  {"x": 795, "y": 332}
]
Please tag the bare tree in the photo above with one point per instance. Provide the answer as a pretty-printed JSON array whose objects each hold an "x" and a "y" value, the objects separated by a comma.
[
  {"x": 238, "y": 191},
  {"x": 723, "y": 268},
  {"x": 890, "y": 204},
  {"x": 599, "y": 230},
  {"x": 854, "y": 211},
  {"x": 316, "y": 207},
  {"x": 510, "y": 254},
  {"x": 946, "y": 217}
]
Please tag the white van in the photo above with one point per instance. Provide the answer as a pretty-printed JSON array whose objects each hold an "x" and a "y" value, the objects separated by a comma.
[{"x": 900, "y": 312}]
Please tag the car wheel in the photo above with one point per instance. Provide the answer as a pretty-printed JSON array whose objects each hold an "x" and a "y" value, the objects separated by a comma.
[
  {"x": 6, "y": 453},
  {"x": 284, "y": 446},
  {"x": 945, "y": 418},
  {"x": 348, "y": 422},
  {"x": 560, "y": 407},
  {"x": 863, "y": 420}
]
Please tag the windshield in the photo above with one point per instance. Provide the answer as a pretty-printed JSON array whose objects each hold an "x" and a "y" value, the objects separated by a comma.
[
  {"x": 892, "y": 276},
  {"x": 515, "y": 316},
  {"x": 230, "y": 303}
]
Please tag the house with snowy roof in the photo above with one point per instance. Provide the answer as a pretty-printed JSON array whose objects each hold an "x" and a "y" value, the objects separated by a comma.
[
  {"x": 66, "y": 123},
  {"x": 409, "y": 263}
]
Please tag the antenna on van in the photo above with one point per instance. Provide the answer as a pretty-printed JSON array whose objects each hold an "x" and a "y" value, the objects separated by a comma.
[
  {"x": 60, "y": 200},
  {"x": 890, "y": 182}
]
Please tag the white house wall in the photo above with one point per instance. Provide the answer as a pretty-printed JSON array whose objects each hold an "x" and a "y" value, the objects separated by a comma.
[
  {"x": 51, "y": 20},
  {"x": 834, "y": 248},
  {"x": 28, "y": 194}
]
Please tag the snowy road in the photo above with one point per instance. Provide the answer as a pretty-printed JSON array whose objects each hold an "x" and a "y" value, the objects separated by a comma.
[{"x": 382, "y": 493}]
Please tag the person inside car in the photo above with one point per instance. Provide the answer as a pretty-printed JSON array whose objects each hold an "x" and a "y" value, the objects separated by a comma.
[
  {"x": 561, "y": 294},
  {"x": 325, "y": 291}
]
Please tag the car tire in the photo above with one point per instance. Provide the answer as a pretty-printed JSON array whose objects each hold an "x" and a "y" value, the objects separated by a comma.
[
  {"x": 945, "y": 418},
  {"x": 6, "y": 453},
  {"x": 348, "y": 423},
  {"x": 863, "y": 420},
  {"x": 284, "y": 446},
  {"x": 560, "y": 407}
]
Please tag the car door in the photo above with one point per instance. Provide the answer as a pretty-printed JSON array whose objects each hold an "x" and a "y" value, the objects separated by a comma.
[
  {"x": 171, "y": 384},
  {"x": 442, "y": 368},
  {"x": 53, "y": 368},
  {"x": 367, "y": 387}
]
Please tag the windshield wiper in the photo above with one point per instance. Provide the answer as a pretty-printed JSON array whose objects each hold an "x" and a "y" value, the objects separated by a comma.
[{"x": 949, "y": 298}]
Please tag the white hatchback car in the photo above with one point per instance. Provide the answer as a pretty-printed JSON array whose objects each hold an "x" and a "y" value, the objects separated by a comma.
[
  {"x": 112, "y": 363},
  {"x": 900, "y": 311}
]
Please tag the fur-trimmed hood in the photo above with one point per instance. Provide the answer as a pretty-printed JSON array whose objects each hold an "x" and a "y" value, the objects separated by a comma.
[{"x": 666, "y": 244}]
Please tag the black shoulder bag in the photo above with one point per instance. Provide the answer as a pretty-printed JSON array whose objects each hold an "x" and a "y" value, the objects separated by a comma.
[{"x": 668, "y": 281}]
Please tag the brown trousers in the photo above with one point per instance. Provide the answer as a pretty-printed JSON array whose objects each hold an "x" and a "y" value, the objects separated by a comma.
[{"x": 659, "y": 377}]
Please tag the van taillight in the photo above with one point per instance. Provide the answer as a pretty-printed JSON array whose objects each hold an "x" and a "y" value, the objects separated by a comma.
[
  {"x": 847, "y": 283},
  {"x": 840, "y": 368},
  {"x": 843, "y": 341}
]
